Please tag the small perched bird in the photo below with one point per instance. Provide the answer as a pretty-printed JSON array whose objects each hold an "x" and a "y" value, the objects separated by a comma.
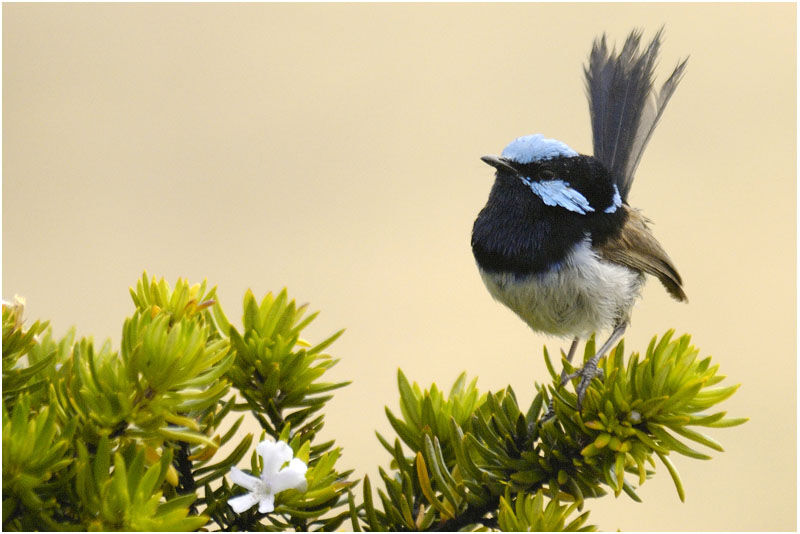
[{"x": 557, "y": 241}]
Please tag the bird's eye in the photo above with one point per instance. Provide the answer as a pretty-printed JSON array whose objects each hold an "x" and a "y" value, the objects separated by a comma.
[{"x": 547, "y": 174}]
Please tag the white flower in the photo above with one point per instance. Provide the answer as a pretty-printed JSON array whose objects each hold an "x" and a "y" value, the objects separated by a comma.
[{"x": 274, "y": 479}]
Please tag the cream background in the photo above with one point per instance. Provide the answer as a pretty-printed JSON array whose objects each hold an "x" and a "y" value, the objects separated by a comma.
[{"x": 335, "y": 149}]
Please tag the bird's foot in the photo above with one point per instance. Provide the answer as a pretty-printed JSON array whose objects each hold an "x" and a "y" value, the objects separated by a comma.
[{"x": 587, "y": 373}]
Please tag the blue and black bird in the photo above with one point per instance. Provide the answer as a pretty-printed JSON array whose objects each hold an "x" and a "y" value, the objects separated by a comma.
[{"x": 557, "y": 241}]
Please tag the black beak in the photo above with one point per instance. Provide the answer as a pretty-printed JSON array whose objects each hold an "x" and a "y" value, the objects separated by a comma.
[{"x": 501, "y": 164}]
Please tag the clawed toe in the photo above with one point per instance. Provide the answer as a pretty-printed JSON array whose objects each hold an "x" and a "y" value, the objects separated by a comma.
[{"x": 587, "y": 373}]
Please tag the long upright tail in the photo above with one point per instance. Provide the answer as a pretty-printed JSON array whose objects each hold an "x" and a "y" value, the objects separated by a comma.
[{"x": 623, "y": 105}]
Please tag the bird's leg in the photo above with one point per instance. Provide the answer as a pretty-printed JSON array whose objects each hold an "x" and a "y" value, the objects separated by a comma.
[
  {"x": 571, "y": 353},
  {"x": 589, "y": 369},
  {"x": 572, "y": 348}
]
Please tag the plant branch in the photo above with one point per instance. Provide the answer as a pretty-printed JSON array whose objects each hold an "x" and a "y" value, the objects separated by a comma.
[{"x": 471, "y": 516}]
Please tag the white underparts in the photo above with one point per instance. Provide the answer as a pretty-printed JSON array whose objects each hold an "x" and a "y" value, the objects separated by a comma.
[{"x": 584, "y": 294}]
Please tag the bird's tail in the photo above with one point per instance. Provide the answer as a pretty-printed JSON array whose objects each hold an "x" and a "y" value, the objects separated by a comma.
[{"x": 623, "y": 105}]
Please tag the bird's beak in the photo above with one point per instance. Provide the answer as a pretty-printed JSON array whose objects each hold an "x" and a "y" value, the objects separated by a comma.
[{"x": 501, "y": 164}]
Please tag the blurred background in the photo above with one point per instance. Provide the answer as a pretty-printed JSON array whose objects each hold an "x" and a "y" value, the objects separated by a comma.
[{"x": 334, "y": 149}]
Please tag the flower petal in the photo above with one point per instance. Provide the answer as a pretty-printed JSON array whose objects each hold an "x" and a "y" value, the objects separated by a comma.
[
  {"x": 275, "y": 454},
  {"x": 267, "y": 503},
  {"x": 249, "y": 482},
  {"x": 292, "y": 476},
  {"x": 243, "y": 502}
]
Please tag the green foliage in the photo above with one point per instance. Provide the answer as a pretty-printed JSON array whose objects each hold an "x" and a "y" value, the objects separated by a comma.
[
  {"x": 102, "y": 439},
  {"x": 276, "y": 371},
  {"x": 35, "y": 451},
  {"x": 529, "y": 513},
  {"x": 99, "y": 439},
  {"x": 479, "y": 461},
  {"x": 631, "y": 416},
  {"x": 430, "y": 409},
  {"x": 17, "y": 342},
  {"x": 277, "y": 374},
  {"x": 129, "y": 498}
]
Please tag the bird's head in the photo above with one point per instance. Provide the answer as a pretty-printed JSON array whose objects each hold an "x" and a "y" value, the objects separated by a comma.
[
  {"x": 527, "y": 156},
  {"x": 557, "y": 174}
]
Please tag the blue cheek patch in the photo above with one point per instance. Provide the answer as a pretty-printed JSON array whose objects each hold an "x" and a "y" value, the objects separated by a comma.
[
  {"x": 616, "y": 201},
  {"x": 559, "y": 193}
]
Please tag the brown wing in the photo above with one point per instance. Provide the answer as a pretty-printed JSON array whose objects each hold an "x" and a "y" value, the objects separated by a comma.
[{"x": 635, "y": 247}]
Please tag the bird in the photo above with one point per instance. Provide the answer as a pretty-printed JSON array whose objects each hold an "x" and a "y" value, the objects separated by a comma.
[{"x": 557, "y": 241}]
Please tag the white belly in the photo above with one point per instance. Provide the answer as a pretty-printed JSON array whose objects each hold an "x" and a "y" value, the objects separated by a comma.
[{"x": 584, "y": 295}]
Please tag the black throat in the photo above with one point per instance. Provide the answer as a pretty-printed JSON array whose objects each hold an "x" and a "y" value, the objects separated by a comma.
[{"x": 517, "y": 233}]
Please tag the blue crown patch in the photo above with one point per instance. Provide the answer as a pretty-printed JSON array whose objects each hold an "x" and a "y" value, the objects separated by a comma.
[{"x": 536, "y": 147}]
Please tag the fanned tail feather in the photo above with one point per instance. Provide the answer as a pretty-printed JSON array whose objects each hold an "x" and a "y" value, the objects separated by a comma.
[{"x": 623, "y": 105}]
